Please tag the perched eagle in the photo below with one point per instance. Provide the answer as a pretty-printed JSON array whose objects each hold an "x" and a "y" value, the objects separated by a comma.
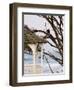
[{"x": 48, "y": 31}]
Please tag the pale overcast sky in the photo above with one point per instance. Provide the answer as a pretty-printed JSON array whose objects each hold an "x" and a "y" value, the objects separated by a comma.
[{"x": 36, "y": 22}]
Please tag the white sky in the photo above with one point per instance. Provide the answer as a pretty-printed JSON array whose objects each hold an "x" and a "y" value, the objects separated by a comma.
[{"x": 36, "y": 22}]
